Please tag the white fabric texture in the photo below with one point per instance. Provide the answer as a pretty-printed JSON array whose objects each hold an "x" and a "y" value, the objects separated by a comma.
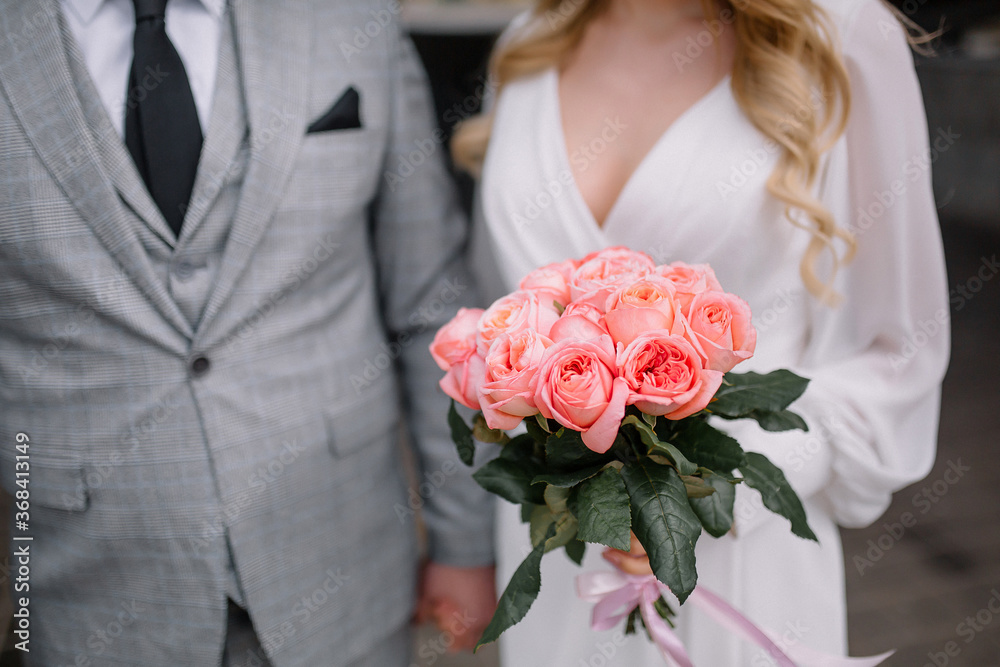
[{"x": 876, "y": 362}]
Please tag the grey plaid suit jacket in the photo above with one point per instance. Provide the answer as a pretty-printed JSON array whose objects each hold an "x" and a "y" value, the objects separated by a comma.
[{"x": 256, "y": 433}]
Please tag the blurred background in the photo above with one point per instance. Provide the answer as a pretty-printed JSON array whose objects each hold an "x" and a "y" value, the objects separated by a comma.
[{"x": 925, "y": 588}]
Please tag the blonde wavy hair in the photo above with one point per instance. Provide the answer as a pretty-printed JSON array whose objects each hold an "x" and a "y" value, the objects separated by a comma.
[{"x": 786, "y": 57}]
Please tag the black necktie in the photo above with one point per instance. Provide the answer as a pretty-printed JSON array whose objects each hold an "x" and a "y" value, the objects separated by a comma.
[{"x": 161, "y": 121}]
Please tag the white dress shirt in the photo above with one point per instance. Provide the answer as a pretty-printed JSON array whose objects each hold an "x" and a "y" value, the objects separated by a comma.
[{"x": 103, "y": 29}]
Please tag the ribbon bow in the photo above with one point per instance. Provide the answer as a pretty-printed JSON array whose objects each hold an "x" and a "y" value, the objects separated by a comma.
[{"x": 616, "y": 594}]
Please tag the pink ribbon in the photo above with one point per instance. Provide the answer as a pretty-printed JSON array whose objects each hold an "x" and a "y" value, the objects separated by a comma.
[{"x": 615, "y": 594}]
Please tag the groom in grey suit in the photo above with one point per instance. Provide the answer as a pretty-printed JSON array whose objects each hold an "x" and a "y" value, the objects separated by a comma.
[{"x": 208, "y": 397}]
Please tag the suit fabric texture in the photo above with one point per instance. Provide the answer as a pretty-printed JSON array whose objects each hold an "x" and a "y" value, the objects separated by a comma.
[{"x": 218, "y": 415}]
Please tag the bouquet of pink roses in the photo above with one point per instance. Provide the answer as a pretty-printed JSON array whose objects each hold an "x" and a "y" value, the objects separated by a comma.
[{"x": 614, "y": 364}]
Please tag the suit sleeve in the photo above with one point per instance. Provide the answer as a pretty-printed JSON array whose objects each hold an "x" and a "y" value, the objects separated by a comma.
[
  {"x": 876, "y": 362},
  {"x": 420, "y": 237}
]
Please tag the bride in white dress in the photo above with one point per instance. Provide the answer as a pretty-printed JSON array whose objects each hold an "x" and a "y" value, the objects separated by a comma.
[{"x": 648, "y": 124}]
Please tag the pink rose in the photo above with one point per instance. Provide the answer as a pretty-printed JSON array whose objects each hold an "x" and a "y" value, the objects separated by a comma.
[
  {"x": 641, "y": 305},
  {"x": 689, "y": 279},
  {"x": 603, "y": 272},
  {"x": 577, "y": 327},
  {"x": 551, "y": 282},
  {"x": 511, "y": 365},
  {"x": 590, "y": 311},
  {"x": 463, "y": 380},
  {"x": 665, "y": 377},
  {"x": 456, "y": 341},
  {"x": 580, "y": 320},
  {"x": 720, "y": 322},
  {"x": 512, "y": 314},
  {"x": 576, "y": 386}
]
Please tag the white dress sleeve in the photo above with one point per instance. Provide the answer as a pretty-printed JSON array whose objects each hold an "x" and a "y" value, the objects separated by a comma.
[{"x": 877, "y": 360}]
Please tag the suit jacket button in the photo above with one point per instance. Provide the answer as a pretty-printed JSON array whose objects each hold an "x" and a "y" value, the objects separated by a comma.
[
  {"x": 183, "y": 271},
  {"x": 200, "y": 366}
]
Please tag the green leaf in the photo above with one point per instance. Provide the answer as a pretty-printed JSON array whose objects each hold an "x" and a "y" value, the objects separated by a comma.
[
  {"x": 716, "y": 511},
  {"x": 461, "y": 435},
  {"x": 576, "y": 549},
  {"x": 510, "y": 480},
  {"x": 664, "y": 522},
  {"x": 526, "y": 510},
  {"x": 696, "y": 487},
  {"x": 786, "y": 420},
  {"x": 565, "y": 451},
  {"x": 518, "y": 597},
  {"x": 557, "y": 499},
  {"x": 743, "y": 393},
  {"x": 655, "y": 445},
  {"x": 483, "y": 433},
  {"x": 706, "y": 445},
  {"x": 761, "y": 474},
  {"x": 602, "y": 507},
  {"x": 539, "y": 524},
  {"x": 568, "y": 479},
  {"x": 543, "y": 518},
  {"x": 542, "y": 422},
  {"x": 521, "y": 450}
]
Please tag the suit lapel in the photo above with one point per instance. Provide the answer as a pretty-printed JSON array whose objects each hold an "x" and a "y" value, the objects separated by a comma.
[
  {"x": 273, "y": 46},
  {"x": 35, "y": 76},
  {"x": 114, "y": 156},
  {"x": 226, "y": 129}
]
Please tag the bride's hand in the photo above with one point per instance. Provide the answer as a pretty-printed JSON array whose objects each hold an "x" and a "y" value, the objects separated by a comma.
[
  {"x": 633, "y": 561},
  {"x": 460, "y": 601}
]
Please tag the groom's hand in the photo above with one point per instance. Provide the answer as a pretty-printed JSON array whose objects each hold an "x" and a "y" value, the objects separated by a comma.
[{"x": 459, "y": 600}]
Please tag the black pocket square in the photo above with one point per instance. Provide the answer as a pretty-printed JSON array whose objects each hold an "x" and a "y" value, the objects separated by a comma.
[{"x": 343, "y": 115}]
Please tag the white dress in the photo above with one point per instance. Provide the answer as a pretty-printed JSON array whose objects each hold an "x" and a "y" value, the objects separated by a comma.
[{"x": 876, "y": 362}]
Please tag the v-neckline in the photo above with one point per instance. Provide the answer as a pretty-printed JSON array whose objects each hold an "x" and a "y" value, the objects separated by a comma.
[{"x": 563, "y": 148}]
